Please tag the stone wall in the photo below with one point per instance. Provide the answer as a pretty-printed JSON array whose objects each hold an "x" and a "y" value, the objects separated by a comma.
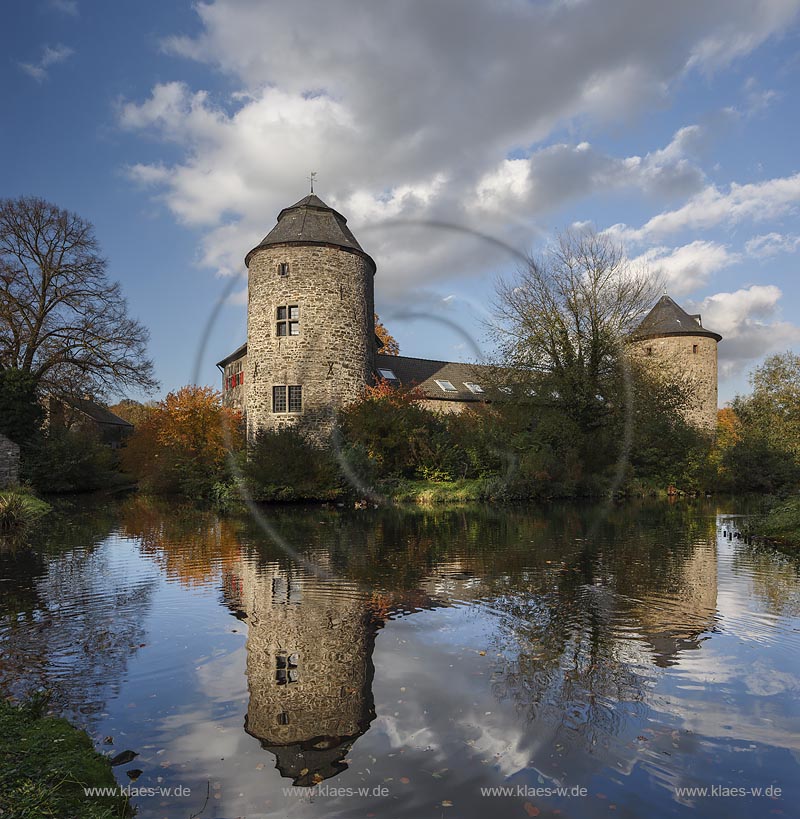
[
  {"x": 692, "y": 357},
  {"x": 309, "y": 668},
  {"x": 444, "y": 407},
  {"x": 332, "y": 357},
  {"x": 9, "y": 462},
  {"x": 236, "y": 396}
]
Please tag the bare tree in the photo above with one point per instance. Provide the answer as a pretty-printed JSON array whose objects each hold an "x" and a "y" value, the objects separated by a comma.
[
  {"x": 61, "y": 319},
  {"x": 564, "y": 315}
]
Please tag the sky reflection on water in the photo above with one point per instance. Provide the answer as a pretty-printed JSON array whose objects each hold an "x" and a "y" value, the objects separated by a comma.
[{"x": 631, "y": 653}]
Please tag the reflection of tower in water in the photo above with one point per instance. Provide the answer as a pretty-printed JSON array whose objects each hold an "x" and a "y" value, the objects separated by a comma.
[{"x": 309, "y": 667}]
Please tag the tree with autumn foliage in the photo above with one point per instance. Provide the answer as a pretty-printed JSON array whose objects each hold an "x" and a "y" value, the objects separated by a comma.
[
  {"x": 389, "y": 345},
  {"x": 183, "y": 444}
]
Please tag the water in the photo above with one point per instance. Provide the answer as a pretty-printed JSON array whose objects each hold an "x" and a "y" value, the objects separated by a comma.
[{"x": 397, "y": 663}]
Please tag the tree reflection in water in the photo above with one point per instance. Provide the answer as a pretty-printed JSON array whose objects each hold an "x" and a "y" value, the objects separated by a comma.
[
  {"x": 73, "y": 615},
  {"x": 584, "y": 610}
]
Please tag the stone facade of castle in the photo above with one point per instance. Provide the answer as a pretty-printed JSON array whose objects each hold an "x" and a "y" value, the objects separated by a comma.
[
  {"x": 311, "y": 346},
  {"x": 674, "y": 341}
]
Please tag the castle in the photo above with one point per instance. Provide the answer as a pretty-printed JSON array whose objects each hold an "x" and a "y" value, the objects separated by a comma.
[{"x": 311, "y": 345}]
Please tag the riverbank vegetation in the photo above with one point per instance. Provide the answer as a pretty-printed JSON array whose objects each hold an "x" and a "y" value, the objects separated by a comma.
[
  {"x": 47, "y": 763},
  {"x": 572, "y": 413},
  {"x": 19, "y": 508}
]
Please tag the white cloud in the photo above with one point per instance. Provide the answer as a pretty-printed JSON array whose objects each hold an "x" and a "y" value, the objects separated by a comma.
[
  {"x": 68, "y": 7},
  {"x": 756, "y": 201},
  {"x": 413, "y": 112},
  {"x": 750, "y": 323},
  {"x": 757, "y": 99},
  {"x": 688, "y": 267},
  {"x": 771, "y": 244},
  {"x": 553, "y": 175},
  {"x": 50, "y": 56}
]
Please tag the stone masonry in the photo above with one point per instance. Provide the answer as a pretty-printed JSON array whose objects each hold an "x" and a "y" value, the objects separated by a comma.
[
  {"x": 331, "y": 357},
  {"x": 691, "y": 357},
  {"x": 9, "y": 462}
]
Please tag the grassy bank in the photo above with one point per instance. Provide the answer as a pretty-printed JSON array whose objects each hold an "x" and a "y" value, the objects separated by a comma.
[
  {"x": 779, "y": 526},
  {"x": 436, "y": 492},
  {"x": 45, "y": 763},
  {"x": 20, "y": 508}
]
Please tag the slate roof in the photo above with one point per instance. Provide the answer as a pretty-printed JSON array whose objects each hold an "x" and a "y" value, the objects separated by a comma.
[
  {"x": 236, "y": 354},
  {"x": 95, "y": 411},
  {"x": 669, "y": 319},
  {"x": 424, "y": 372},
  {"x": 311, "y": 221}
]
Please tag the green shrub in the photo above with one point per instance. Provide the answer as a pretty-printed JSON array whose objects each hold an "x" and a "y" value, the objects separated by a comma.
[
  {"x": 19, "y": 509},
  {"x": 283, "y": 465},
  {"x": 68, "y": 461},
  {"x": 21, "y": 413}
]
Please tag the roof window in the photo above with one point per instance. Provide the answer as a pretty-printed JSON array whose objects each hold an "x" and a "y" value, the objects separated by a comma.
[
  {"x": 387, "y": 374},
  {"x": 473, "y": 387},
  {"x": 447, "y": 386}
]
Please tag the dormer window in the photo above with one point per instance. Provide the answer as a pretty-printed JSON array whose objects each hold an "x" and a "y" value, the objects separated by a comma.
[
  {"x": 283, "y": 269},
  {"x": 288, "y": 320}
]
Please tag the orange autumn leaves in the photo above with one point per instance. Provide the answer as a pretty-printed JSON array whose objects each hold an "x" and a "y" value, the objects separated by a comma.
[
  {"x": 389, "y": 345},
  {"x": 182, "y": 444}
]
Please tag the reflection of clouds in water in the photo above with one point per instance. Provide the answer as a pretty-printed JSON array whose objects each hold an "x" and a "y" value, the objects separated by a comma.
[
  {"x": 222, "y": 679},
  {"x": 86, "y": 624}
]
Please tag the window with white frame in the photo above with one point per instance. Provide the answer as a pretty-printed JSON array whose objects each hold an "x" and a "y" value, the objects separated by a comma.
[
  {"x": 473, "y": 387},
  {"x": 287, "y": 398},
  {"x": 445, "y": 385},
  {"x": 387, "y": 374},
  {"x": 287, "y": 320}
]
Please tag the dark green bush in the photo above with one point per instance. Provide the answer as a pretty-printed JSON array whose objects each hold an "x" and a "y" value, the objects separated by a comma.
[
  {"x": 283, "y": 465},
  {"x": 68, "y": 461}
]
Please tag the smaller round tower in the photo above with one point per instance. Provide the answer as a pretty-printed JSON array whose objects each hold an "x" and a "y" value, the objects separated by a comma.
[
  {"x": 669, "y": 337},
  {"x": 310, "y": 320}
]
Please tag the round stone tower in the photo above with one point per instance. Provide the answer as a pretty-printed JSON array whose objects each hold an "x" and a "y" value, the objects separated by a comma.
[
  {"x": 672, "y": 339},
  {"x": 310, "y": 320}
]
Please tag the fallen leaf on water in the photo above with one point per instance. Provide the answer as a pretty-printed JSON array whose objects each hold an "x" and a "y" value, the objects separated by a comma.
[
  {"x": 405, "y": 780},
  {"x": 530, "y": 809},
  {"x": 482, "y": 653},
  {"x": 446, "y": 803}
]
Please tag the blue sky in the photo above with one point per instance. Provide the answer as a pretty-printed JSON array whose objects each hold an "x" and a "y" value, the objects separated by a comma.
[{"x": 180, "y": 131}]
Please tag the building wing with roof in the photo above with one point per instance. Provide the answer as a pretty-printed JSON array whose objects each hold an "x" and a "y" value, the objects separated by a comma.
[{"x": 311, "y": 346}]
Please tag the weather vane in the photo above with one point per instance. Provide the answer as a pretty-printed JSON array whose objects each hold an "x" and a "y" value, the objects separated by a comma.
[{"x": 311, "y": 179}]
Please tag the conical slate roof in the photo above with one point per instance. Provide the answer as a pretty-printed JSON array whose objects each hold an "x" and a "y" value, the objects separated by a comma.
[
  {"x": 668, "y": 319},
  {"x": 311, "y": 222}
]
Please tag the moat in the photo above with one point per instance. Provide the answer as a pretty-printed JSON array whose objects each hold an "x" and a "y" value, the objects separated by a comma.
[{"x": 593, "y": 660}]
